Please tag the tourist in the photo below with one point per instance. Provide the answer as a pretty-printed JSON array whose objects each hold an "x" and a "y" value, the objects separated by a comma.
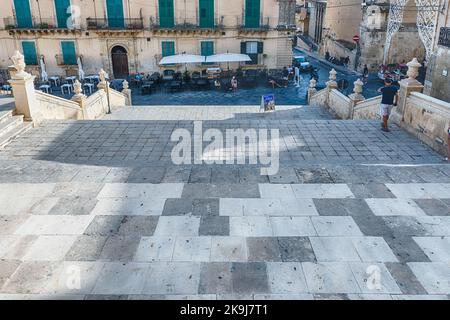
[
  {"x": 388, "y": 100},
  {"x": 234, "y": 83},
  {"x": 327, "y": 56},
  {"x": 365, "y": 73},
  {"x": 217, "y": 84}
]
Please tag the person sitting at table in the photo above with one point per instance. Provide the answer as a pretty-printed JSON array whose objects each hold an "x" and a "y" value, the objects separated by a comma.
[
  {"x": 234, "y": 83},
  {"x": 217, "y": 84}
]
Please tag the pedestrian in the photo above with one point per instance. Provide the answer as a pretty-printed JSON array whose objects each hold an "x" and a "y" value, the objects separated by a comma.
[
  {"x": 234, "y": 83},
  {"x": 365, "y": 73},
  {"x": 389, "y": 99},
  {"x": 327, "y": 56}
]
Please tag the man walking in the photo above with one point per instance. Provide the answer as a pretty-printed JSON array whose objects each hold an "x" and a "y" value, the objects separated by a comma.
[{"x": 388, "y": 100}]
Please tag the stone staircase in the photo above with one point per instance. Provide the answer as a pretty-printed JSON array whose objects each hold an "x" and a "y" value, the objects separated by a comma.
[{"x": 11, "y": 126}]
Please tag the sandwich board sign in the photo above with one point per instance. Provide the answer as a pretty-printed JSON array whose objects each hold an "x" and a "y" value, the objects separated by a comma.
[{"x": 268, "y": 102}]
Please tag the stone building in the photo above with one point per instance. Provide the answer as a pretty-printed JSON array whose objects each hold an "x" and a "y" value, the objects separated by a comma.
[
  {"x": 317, "y": 11},
  {"x": 437, "y": 83},
  {"x": 128, "y": 36}
]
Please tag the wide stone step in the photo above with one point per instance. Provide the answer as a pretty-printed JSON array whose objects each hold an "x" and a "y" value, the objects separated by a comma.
[
  {"x": 5, "y": 115},
  {"x": 13, "y": 132}
]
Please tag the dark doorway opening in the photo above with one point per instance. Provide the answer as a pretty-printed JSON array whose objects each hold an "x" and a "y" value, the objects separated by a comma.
[{"x": 119, "y": 58}]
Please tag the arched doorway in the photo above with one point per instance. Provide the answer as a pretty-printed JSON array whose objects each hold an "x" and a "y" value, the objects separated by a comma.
[{"x": 119, "y": 57}]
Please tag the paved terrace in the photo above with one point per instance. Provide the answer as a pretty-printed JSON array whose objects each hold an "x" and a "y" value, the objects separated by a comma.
[{"x": 349, "y": 203}]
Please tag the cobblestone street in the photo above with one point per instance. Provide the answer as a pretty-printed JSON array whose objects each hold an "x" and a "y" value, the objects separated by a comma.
[{"x": 103, "y": 199}]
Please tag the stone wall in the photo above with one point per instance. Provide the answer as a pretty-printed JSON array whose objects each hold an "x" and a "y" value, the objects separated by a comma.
[{"x": 51, "y": 107}]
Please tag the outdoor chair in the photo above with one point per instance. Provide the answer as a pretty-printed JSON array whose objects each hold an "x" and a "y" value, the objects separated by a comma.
[
  {"x": 45, "y": 87},
  {"x": 168, "y": 75},
  {"x": 66, "y": 87},
  {"x": 147, "y": 87}
]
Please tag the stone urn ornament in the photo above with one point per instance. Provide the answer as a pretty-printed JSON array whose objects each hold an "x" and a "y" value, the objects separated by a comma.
[{"x": 19, "y": 64}]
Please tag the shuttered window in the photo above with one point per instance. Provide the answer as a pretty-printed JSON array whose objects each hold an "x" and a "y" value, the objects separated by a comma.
[
  {"x": 115, "y": 13},
  {"x": 23, "y": 13},
  {"x": 166, "y": 15},
  {"x": 206, "y": 8},
  {"x": 29, "y": 52},
  {"x": 69, "y": 52},
  {"x": 252, "y": 13},
  {"x": 62, "y": 16},
  {"x": 168, "y": 48}
]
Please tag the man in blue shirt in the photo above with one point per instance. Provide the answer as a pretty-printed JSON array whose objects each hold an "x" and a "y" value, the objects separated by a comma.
[{"x": 388, "y": 100}]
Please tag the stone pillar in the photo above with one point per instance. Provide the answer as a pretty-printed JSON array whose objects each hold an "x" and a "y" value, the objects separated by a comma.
[
  {"x": 79, "y": 97},
  {"x": 22, "y": 84},
  {"x": 356, "y": 96},
  {"x": 311, "y": 89},
  {"x": 127, "y": 92},
  {"x": 331, "y": 84},
  {"x": 406, "y": 87}
]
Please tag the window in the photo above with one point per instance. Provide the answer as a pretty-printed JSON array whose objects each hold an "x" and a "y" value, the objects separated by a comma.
[
  {"x": 166, "y": 15},
  {"x": 206, "y": 8},
  {"x": 168, "y": 48},
  {"x": 23, "y": 13},
  {"x": 62, "y": 16},
  {"x": 115, "y": 13},
  {"x": 69, "y": 53},
  {"x": 252, "y": 49},
  {"x": 207, "y": 49},
  {"x": 29, "y": 52},
  {"x": 252, "y": 13}
]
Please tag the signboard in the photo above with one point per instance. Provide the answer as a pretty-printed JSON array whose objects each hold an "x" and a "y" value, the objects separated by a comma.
[
  {"x": 444, "y": 37},
  {"x": 356, "y": 38},
  {"x": 268, "y": 102}
]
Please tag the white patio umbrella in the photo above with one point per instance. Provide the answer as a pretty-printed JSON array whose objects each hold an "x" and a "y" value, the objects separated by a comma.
[
  {"x": 80, "y": 69},
  {"x": 44, "y": 75},
  {"x": 228, "y": 57},
  {"x": 182, "y": 59}
]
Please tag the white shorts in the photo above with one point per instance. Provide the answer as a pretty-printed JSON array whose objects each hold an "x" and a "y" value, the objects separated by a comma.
[{"x": 385, "y": 109}]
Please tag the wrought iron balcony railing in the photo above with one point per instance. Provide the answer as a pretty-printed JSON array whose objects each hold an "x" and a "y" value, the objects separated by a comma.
[
  {"x": 185, "y": 24},
  {"x": 11, "y": 23},
  {"x": 262, "y": 25},
  {"x": 115, "y": 24}
]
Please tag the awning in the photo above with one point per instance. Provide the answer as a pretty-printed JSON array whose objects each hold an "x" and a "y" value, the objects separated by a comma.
[
  {"x": 182, "y": 59},
  {"x": 228, "y": 57}
]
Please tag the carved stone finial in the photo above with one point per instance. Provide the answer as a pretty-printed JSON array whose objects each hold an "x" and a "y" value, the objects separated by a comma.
[
  {"x": 333, "y": 74},
  {"x": 77, "y": 88},
  {"x": 19, "y": 64},
  {"x": 312, "y": 83},
  {"x": 358, "y": 86},
  {"x": 102, "y": 75},
  {"x": 125, "y": 85},
  {"x": 413, "y": 69}
]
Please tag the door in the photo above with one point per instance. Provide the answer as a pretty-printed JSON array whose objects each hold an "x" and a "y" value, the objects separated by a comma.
[
  {"x": 119, "y": 57},
  {"x": 115, "y": 13},
  {"x": 166, "y": 15},
  {"x": 206, "y": 8},
  {"x": 252, "y": 13},
  {"x": 62, "y": 16},
  {"x": 23, "y": 13}
]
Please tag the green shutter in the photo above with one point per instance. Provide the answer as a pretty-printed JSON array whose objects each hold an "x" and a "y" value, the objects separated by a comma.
[
  {"x": 168, "y": 48},
  {"x": 29, "y": 52},
  {"x": 166, "y": 15},
  {"x": 23, "y": 13},
  {"x": 69, "y": 53},
  {"x": 252, "y": 13},
  {"x": 115, "y": 13},
  {"x": 206, "y": 8},
  {"x": 207, "y": 48},
  {"x": 61, "y": 7}
]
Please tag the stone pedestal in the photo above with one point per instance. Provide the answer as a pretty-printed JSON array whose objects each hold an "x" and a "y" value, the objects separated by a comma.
[
  {"x": 25, "y": 96},
  {"x": 356, "y": 96},
  {"x": 311, "y": 89},
  {"x": 127, "y": 92}
]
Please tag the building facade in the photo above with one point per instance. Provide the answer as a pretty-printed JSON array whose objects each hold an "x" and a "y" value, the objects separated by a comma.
[
  {"x": 437, "y": 82},
  {"x": 130, "y": 36}
]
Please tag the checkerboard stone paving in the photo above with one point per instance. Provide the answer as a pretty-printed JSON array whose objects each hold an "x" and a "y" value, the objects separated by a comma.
[{"x": 96, "y": 210}]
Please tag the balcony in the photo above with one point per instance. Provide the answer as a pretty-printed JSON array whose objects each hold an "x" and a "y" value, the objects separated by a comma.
[
  {"x": 60, "y": 61},
  {"x": 38, "y": 25},
  {"x": 128, "y": 24},
  {"x": 264, "y": 25},
  {"x": 188, "y": 25}
]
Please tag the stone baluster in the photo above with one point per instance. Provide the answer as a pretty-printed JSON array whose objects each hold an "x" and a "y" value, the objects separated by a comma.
[
  {"x": 331, "y": 83},
  {"x": 127, "y": 92},
  {"x": 79, "y": 97},
  {"x": 356, "y": 96},
  {"x": 22, "y": 84},
  {"x": 311, "y": 89}
]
